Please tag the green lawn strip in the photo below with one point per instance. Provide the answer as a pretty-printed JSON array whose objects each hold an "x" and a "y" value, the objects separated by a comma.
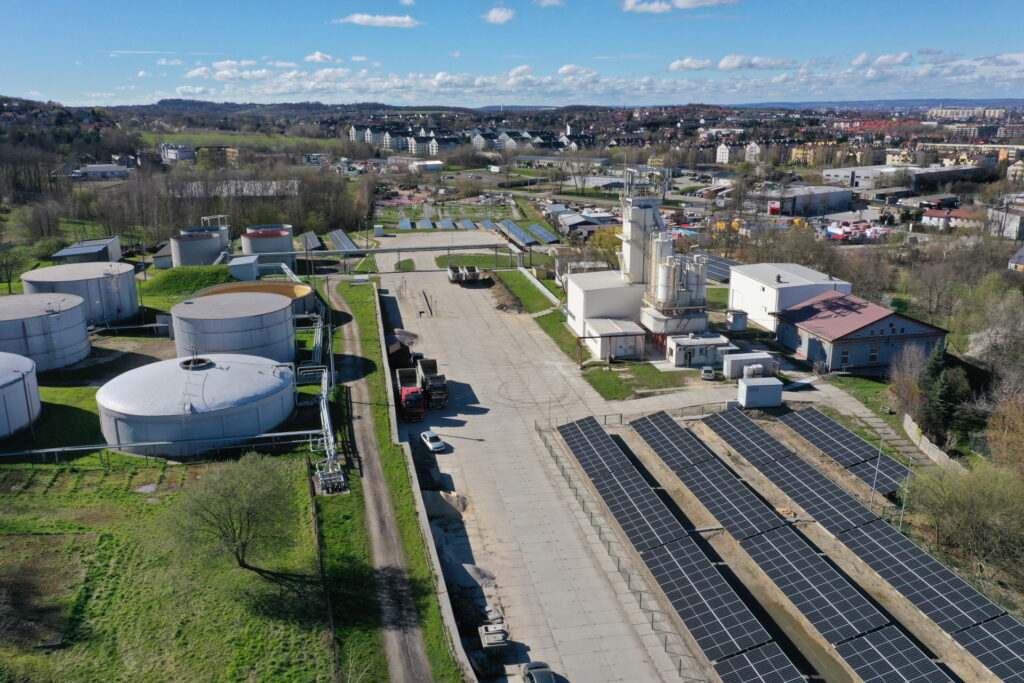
[
  {"x": 532, "y": 299},
  {"x": 530, "y": 214},
  {"x": 405, "y": 265},
  {"x": 421, "y": 577},
  {"x": 368, "y": 264},
  {"x": 872, "y": 392},
  {"x": 718, "y": 297},
  {"x": 554, "y": 289},
  {"x": 554, "y": 324},
  {"x": 136, "y": 603},
  {"x": 608, "y": 383}
]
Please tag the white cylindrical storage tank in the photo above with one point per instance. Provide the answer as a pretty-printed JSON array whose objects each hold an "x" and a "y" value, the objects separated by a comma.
[
  {"x": 195, "y": 249},
  {"x": 50, "y": 329},
  {"x": 250, "y": 323},
  {"x": 224, "y": 397},
  {"x": 271, "y": 226},
  {"x": 221, "y": 231},
  {"x": 108, "y": 288},
  {"x": 19, "y": 393},
  {"x": 663, "y": 290},
  {"x": 269, "y": 241},
  {"x": 302, "y": 296}
]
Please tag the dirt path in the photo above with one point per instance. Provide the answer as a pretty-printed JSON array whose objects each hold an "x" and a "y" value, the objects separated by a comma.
[{"x": 403, "y": 639}]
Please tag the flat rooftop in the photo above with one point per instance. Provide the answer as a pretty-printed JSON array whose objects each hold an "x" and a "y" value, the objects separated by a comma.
[{"x": 785, "y": 275}]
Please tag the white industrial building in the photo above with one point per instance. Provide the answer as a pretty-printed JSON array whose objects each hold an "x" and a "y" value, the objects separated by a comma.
[
  {"x": 763, "y": 289},
  {"x": 806, "y": 200},
  {"x": 916, "y": 177}
]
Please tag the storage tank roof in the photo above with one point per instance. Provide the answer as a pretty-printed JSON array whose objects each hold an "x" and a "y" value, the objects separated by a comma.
[
  {"x": 234, "y": 305},
  {"x": 196, "y": 236},
  {"x": 225, "y": 380},
  {"x": 77, "y": 271},
  {"x": 13, "y": 367},
  {"x": 21, "y": 306},
  {"x": 261, "y": 234}
]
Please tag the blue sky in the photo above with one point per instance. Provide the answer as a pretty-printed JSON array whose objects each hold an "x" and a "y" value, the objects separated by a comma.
[{"x": 473, "y": 53}]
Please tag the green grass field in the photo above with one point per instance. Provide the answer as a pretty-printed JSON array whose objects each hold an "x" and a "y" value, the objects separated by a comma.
[
  {"x": 554, "y": 325},
  {"x": 873, "y": 393},
  {"x": 360, "y": 299},
  {"x": 629, "y": 378},
  {"x": 718, "y": 297},
  {"x": 532, "y": 299},
  {"x": 166, "y": 288},
  {"x": 405, "y": 265}
]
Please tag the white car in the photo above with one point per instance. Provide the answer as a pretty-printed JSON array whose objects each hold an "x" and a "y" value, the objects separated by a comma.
[
  {"x": 432, "y": 441},
  {"x": 707, "y": 373}
]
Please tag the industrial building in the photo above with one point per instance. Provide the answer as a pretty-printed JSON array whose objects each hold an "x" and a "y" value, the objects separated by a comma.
[
  {"x": 85, "y": 251},
  {"x": 806, "y": 200},
  {"x": 839, "y": 331},
  {"x": 215, "y": 400},
  {"x": 108, "y": 289},
  {"x": 916, "y": 177},
  {"x": 764, "y": 289}
]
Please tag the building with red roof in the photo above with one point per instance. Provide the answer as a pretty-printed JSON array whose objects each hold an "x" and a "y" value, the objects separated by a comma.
[{"x": 837, "y": 331}]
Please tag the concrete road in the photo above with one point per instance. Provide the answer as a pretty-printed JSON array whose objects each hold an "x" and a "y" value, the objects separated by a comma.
[{"x": 564, "y": 601}]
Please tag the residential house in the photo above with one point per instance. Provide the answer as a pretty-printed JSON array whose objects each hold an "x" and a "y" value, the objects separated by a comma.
[
  {"x": 724, "y": 154},
  {"x": 839, "y": 331},
  {"x": 484, "y": 140},
  {"x": 752, "y": 153},
  {"x": 953, "y": 218},
  {"x": 438, "y": 145},
  {"x": 419, "y": 144}
]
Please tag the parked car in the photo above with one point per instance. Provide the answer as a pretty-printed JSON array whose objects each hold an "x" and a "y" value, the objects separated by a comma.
[
  {"x": 538, "y": 672},
  {"x": 707, "y": 372},
  {"x": 433, "y": 442}
]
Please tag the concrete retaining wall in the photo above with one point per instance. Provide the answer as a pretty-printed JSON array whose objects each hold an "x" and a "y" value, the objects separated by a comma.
[{"x": 934, "y": 453}]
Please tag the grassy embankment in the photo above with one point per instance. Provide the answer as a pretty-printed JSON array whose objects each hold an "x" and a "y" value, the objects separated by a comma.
[
  {"x": 166, "y": 288},
  {"x": 360, "y": 299},
  {"x": 532, "y": 299}
]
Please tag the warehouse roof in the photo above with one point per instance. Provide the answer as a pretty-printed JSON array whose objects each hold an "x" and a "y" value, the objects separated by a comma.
[{"x": 785, "y": 275}]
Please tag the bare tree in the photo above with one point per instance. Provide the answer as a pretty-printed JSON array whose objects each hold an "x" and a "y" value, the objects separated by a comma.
[{"x": 904, "y": 382}]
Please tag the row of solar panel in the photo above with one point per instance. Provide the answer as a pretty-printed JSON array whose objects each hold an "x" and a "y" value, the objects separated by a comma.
[
  {"x": 514, "y": 232},
  {"x": 839, "y": 612},
  {"x": 721, "y": 624},
  {"x": 340, "y": 240},
  {"x": 862, "y": 459},
  {"x": 310, "y": 241},
  {"x": 716, "y": 268},
  {"x": 445, "y": 224},
  {"x": 982, "y": 627}
]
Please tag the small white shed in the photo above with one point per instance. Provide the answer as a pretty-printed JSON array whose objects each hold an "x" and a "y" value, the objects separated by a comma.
[
  {"x": 732, "y": 366},
  {"x": 760, "y": 392}
]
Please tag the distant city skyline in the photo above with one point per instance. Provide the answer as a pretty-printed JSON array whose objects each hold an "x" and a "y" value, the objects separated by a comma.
[{"x": 536, "y": 52}]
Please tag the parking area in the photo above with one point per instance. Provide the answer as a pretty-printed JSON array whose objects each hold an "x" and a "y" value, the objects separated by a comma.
[{"x": 522, "y": 533}]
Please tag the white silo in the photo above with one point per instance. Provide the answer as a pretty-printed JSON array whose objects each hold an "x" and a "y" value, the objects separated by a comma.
[
  {"x": 19, "y": 393},
  {"x": 108, "y": 288},
  {"x": 221, "y": 399},
  {"x": 251, "y": 323},
  {"x": 195, "y": 249},
  {"x": 267, "y": 242},
  {"x": 221, "y": 231},
  {"x": 50, "y": 329},
  {"x": 302, "y": 296}
]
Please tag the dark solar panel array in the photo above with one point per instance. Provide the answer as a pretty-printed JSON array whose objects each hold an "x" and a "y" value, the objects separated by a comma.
[
  {"x": 933, "y": 588},
  {"x": 832, "y": 605},
  {"x": 717, "y": 268},
  {"x": 887, "y": 655},
  {"x": 514, "y": 232},
  {"x": 405, "y": 224},
  {"x": 467, "y": 224},
  {"x": 719, "y": 621},
  {"x": 446, "y": 224},
  {"x": 943, "y": 596},
  {"x": 488, "y": 224},
  {"x": 310, "y": 241},
  {"x": 862, "y": 459},
  {"x": 341, "y": 241},
  {"x": 543, "y": 234},
  {"x": 999, "y": 645},
  {"x": 764, "y": 664},
  {"x": 424, "y": 224}
]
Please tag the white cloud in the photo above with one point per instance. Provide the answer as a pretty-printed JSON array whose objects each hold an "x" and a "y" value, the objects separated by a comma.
[
  {"x": 690, "y": 64},
  {"x": 238, "y": 75},
  {"x": 930, "y": 51},
  {"x": 201, "y": 72},
  {"x": 101, "y": 95},
  {"x": 456, "y": 54},
  {"x": 358, "y": 58},
  {"x": 861, "y": 59},
  {"x": 163, "y": 61},
  {"x": 548, "y": 3},
  {"x": 894, "y": 60},
  {"x": 653, "y": 7},
  {"x": 498, "y": 15},
  {"x": 34, "y": 93},
  {"x": 320, "y": 57},
  {"x": 142, "y": 74},
  {"x": 734, "y": 62},
  {"x": 576, "y": 70},
  {"x": 406, "y": 2},
  {"x": 392, "y": 21},
  {"x": 233, "y": 64},
  {"x": 192, "y": 90},
  {"x": 521, "y": 70},
  {"x": 283, "y": 65}
]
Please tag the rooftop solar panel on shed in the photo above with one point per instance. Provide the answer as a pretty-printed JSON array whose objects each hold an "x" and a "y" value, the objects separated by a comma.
[
  {"x": 932, "y": 587},
  {"x": 467, "y": 224},
  {"x": 446, "y": 224},
  {"x": 764, "y": 664},
  {"x": 713, "y": 613},
  {"x": 886, "y": 656},
  {"x": 999, "y": 645},
  {"x": 832, "y": 605}
]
